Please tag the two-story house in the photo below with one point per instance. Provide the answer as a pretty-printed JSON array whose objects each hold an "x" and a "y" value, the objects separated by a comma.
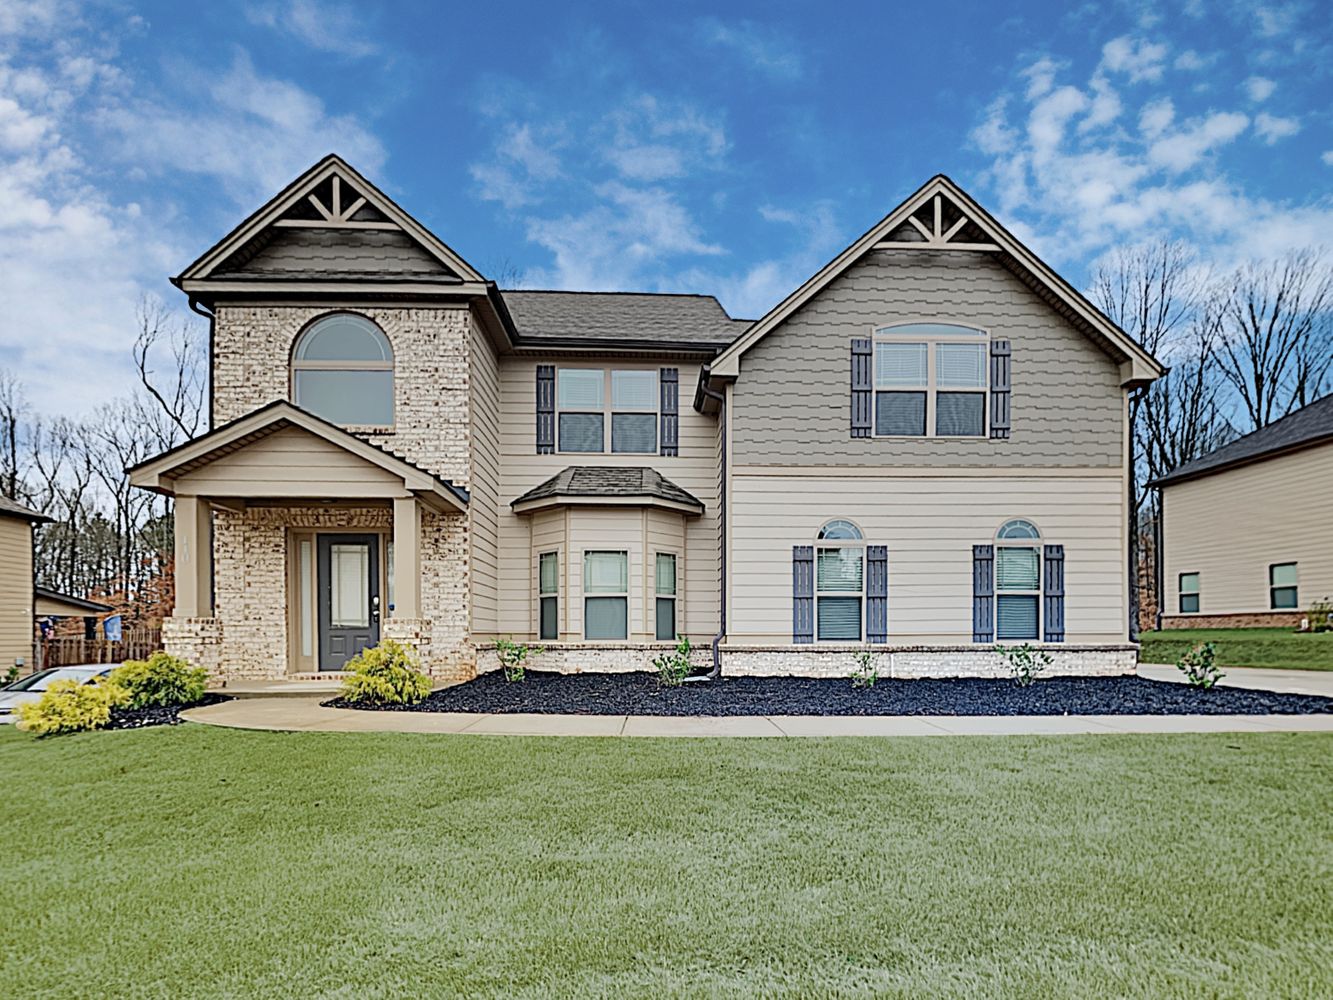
[{"x": 922, "y": 449}]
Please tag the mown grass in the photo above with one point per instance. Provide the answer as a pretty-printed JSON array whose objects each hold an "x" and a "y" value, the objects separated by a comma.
[
  {"x": 1243, "y": 647},
  {"x": 204, "y": 862}
]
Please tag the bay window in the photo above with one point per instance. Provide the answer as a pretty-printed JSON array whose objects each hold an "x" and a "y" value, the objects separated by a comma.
[{"x": 605, "y": 595}]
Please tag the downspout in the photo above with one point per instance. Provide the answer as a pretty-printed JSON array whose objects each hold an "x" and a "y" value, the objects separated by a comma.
[
  {"x": 721, "y": 399},
  {"x": 208, "y": 315},
  {"x": 1159, "y": 570}
]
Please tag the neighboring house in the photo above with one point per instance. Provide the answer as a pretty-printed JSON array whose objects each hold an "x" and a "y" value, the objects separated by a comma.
[
  {"x": 21, "y": 603},
  {"x": 1245, "y": 529},
  {"x": 922, "y": 448}
]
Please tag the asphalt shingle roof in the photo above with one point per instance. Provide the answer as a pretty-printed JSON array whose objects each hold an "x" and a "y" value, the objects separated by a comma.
[
  {"x": 1307, "y": 425},
  {"x": 12, "y": 508},
  {"x": 610, "y": 481},
  {"x": 630, "y": 317}
]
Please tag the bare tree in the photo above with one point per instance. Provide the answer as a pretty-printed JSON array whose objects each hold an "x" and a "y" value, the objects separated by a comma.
[
  {"x": 169, "y": 357},
  {"x": 13, "y": 413},
  {"x": 1276, "y": 347}
]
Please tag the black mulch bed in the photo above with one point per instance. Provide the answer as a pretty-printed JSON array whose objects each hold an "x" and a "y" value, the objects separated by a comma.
[
  {"x": 639, "y": 694},
  {"x": 157, "y": 715}
]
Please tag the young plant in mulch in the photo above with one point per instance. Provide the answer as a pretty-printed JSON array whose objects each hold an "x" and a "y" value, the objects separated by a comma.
[
  {"x": 1026, "y": 662},
  {"x": 513, "y": 656},
  {"x": 866, "y": 671},
  {"x": 1320, "y": 615},
  {"x": 1200, "y": 667},
  {"x": 674, "y": 667},
  {"x": 387, "y": 674}
]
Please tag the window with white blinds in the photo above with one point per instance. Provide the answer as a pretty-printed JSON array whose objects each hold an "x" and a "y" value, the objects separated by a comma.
[
  {"x": 1017, "y": 582},
  {"x": 930, "y": 379},
  {"x": 586, "y": 423},
  {"x": 839, "y": 583},
  {"x": 605, "y": 595}
]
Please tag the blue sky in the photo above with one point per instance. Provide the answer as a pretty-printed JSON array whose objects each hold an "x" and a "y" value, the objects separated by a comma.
[{"x": 636, "y": 145}]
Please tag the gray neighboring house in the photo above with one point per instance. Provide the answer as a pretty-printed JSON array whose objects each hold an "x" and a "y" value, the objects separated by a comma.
[
  {"x": 922, "y": 449},
  {"x": 1245, "y": 539}
]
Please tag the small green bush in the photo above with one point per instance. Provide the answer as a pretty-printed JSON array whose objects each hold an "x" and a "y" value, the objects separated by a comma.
[
  {"x": 674, "y": 667},
  {"x": 1321, "y": 615},
  {"x": 387, "y": 674},
  {"x": 513, "y": 655},
  {"x": 866, "y": 671},
  {"x": 1026, "y": 662},
  {"x": 71, "y": 707},
  {"x": 11, "y": 675},
  {"x": 161, "y": 679},
  {"x": 1200, "y": 667}
]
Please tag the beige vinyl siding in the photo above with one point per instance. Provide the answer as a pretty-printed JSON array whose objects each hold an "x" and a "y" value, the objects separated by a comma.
[
  {"x": 484, "y": 430},
  {"x": 792, "y": 400},
  {"x": 665, "y": 533},
  {"x": 1231, "y": 526},
  {"x": 695, "y": 469},
  {"x": 929, "y": 524},
  {"x": 294, "y": 463},
  {"x": 16, "y": 614}
]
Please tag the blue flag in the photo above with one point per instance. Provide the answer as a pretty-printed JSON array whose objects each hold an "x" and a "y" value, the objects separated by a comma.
[{"x": 111, "y": 628}]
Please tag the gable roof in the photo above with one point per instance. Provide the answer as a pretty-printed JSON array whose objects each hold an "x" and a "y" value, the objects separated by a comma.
[
  {"x": 12, "y": 508},
  {"x": 602, "y": 484},
  {"x": 1308, "y": 426},
  {"x": 941, "y": 216},
  {"x": 332, "y": 223},
  {"x": 57, "y": 604},
  {"x": 158, "y": 473},
  {"x": 621, "y": 319}
]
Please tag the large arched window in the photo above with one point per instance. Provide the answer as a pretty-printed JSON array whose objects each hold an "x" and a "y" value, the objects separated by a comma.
[
  {"x": 342, "y": 370},
  {"x": 839, "y": 582},
  {"x": 1017, "y": 581}
]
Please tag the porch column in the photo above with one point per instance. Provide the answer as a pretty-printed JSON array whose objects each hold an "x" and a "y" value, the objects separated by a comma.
[
  {"x": 194, "y": 558},
  {"x": 406, "y": 557}
]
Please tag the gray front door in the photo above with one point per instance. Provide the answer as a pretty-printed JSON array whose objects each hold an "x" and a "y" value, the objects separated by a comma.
[{"x": 349, "y": 597}]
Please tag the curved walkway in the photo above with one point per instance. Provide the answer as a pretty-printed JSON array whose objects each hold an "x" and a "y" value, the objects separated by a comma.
[{"x": 307, "y": 715}]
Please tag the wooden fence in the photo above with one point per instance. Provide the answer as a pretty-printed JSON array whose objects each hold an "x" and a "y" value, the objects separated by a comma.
[{"x": 65, "y": 650}]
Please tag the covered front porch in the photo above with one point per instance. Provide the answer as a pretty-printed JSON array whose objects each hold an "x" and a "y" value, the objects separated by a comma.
[{"x": 298, "y": 544}]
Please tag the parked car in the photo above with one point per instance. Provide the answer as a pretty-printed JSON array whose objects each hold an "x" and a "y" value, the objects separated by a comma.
[{"x": 30, "y": 688}]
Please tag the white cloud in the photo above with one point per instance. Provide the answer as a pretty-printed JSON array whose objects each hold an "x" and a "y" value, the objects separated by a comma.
[
  {"x": 324, "y": 26},
  {"x": 1105, "y": 107},
  {"x": 1138, "y": 59},
  {"x": 1259, "y": 88},
  {"x": 1189, "y": 60},
  {"x": 1178, "y": 151},
  {"x": 1271, "y": 128},
  {"x": 1276, "y": 19},
  {"x": 1327, "y": 157},
  {"x": 766, "y": 49},
  {"x": 1156, "y": 116}
]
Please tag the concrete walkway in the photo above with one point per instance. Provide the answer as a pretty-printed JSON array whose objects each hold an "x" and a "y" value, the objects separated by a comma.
[{"x": 307, "y": 715}]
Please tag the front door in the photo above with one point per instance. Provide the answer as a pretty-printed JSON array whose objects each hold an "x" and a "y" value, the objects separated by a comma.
[{"x": 349, "y": 597}]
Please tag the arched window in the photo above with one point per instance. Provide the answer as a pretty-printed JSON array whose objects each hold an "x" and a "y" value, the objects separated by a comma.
[
  {"x": 1017, "y": 581},
  {"x": 342, "y": 370},
  {"x": 839, "y": 582}
]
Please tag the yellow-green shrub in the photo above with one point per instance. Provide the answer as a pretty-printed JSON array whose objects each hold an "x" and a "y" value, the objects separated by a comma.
[
  {"x": 161, "y": 680},
  {"x": 71, "y": 707},
  {"x": 387, "y": 674}
]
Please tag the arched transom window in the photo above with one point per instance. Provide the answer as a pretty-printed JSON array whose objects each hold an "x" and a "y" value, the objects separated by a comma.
[
  {"x": 342, "y": 370},
  {"x": 1017, "y": 581},
  {"x": 839, "y": 582}
]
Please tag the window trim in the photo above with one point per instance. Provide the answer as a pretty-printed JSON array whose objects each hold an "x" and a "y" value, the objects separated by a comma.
[
  {"x": 1295, "y": 588},
  {"x": 624, "y": 594},
  {"x": 821, "y": 544},
  {"x": 673, "y": 597},
  {"x": 979, "y": 336},
  {"x": 297, "y": 364},
  {"x": 1036, "y": 545},
  {"x": 543, "y": 596},
  {"x": 1182, "y": 593},
  {"x": 609, "y": 410}
]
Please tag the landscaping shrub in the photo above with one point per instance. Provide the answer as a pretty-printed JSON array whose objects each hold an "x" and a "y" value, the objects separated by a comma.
[
  {"x": 71, "y": 707},
  {"x": 161, "y": 679},
  {"x": 1026, "y": 662},
  {"x": 1321, "y": 615},
  {"x": 866, "y": 671},
  {"x": 674, "y": 667},
  {"x": 387, "y": 674},
  {"x": 11, "y": 675},
  {"x": 1200, "y": 667},
  {"x": 513, "y": 655}
]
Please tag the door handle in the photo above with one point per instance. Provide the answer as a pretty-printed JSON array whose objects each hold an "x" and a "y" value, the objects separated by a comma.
[{"x": 375, "y": 608}]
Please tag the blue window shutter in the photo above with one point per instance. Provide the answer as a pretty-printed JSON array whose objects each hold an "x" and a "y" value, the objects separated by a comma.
[
  {"x": 670, "y": 384},
  {"x": 1000, "y": 378},
  {"x": 983, "y": 593},
  {"x": 1053, "y": 592},
  {"x": 862, "y": 387},
  {"x": 803, "y": 593},
  {"x": 545, "y": 409},
  {"x": 877, "y": 593}
]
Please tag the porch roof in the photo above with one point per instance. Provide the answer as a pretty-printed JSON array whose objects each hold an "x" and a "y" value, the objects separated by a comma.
[{"x": 204, "y": 466}]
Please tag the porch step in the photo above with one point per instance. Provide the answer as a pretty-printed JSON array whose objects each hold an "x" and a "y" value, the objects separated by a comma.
[{"x": 323, "y": 685}]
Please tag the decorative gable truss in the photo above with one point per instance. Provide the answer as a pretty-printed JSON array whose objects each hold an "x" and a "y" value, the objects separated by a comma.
[
  {"x": 328, "y": 229},
  {"x": 938, "y": 224}
]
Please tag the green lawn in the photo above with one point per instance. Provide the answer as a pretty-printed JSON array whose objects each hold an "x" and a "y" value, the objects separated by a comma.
[
  {"x": 1244, "y": 647},
  {"x": 206, "y": 862}
]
